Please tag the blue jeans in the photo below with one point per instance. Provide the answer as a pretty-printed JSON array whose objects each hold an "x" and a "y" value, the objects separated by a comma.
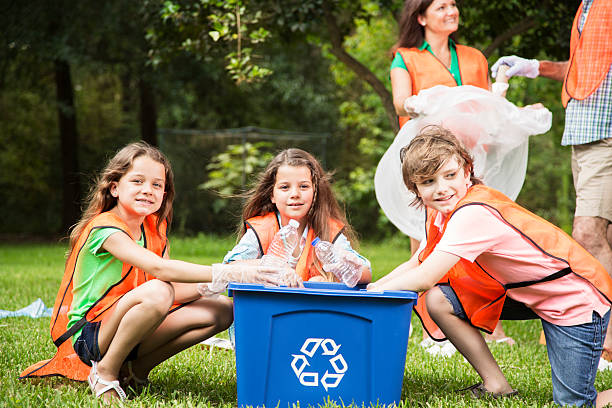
[{"x": 573, "y": 352}]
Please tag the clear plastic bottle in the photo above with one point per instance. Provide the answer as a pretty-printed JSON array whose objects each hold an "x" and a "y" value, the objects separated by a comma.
[
  {"x": 282, "y": 246},
  {"x": 348, "y": 273}
]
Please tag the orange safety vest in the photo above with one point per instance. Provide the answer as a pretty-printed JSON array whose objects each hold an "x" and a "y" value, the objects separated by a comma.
[
  {"x": 480, "y": 294},
  {"x": 590, "y": 52},
  {"x": 65, "y": 362},
  {"x": 427, "y": 71},
  {"x": 266, "y": 226}
]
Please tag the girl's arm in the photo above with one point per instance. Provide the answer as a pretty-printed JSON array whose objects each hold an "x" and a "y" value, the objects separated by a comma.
[
  {"x": 246, "y": 249},
  {"x": 419, "y": 278},
  {"x": 122, "y": 247}
]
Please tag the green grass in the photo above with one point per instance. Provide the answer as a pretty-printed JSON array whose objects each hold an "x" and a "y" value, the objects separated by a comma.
[{"x": 199, "y": 377}]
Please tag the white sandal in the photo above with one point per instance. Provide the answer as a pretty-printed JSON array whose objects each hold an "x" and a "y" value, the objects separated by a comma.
[
  {"x": 131, "y": 377},
  {"x": 110, "y": 385}
]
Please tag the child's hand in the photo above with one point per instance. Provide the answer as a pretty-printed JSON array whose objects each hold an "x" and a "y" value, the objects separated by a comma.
[
  {"x": 222, "y": 274},
  {"x": 338, "y": 269},
  {"x": 291, "y": 279}
]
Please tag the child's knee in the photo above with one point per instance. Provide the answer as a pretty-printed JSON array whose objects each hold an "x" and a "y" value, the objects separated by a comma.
[
  {"x": 436, "y": 302},
  {"x": 159, "y": 295},
  {"x": 225, "y": 316}
]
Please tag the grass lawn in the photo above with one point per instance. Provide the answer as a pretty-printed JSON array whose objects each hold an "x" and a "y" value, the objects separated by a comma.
[{"x": 199, "y": 377}]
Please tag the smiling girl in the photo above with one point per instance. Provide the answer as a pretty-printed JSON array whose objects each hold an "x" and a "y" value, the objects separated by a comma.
[
  {"x": 120, "y": 302},
  {"x": 295, "y": 186}
]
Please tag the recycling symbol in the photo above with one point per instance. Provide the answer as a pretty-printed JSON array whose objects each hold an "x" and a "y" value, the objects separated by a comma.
[{"x": 329, "y": 348}]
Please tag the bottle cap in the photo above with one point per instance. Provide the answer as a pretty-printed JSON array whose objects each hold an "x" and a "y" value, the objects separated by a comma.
[
  {"x": 294, "y": 223},
  {"x": 315, "y": 241}
]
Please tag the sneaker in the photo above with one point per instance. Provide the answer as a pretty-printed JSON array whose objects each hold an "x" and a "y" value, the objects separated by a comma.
[
  {"x": 213, "y": 342},
  {"x": 442, "y": 349},
  {"x": 604, "y": 364}
]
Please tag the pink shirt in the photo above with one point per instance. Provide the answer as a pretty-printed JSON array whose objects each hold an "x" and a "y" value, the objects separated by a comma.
[{"x": 478, "y": 233}]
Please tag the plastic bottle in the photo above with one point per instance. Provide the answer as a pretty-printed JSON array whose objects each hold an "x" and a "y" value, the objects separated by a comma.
[
  {"x": 282, "y": 246},
  {"x": 327, "y": 254}
]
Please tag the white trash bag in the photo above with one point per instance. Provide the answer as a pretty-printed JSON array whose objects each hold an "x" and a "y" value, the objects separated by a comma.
[{"x": 494, "y": 130}]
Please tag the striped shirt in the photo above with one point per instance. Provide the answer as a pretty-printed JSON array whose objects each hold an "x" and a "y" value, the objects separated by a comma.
[{"x": 590, "y": 119}]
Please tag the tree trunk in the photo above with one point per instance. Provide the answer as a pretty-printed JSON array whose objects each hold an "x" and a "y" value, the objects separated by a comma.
[
  {"x": 358, "y": 68},
  {"x": 69, "y": 145},
  {"x": 148, "y": 112}
]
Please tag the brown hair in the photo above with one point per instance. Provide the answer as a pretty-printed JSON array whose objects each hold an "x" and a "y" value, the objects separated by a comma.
[
  {"x": 428, "y": 152},
  {"x": 100, "y": 199},
  {"x": 411, "y": 33},
  {"x": 324, "y": 203}
]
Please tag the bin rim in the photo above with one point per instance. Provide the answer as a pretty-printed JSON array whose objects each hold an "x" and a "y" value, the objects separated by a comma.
[{"x": 313, "y": 290}]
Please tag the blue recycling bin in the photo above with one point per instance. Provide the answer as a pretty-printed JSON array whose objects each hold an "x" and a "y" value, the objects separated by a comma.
[{"x": 323, "y": 341}]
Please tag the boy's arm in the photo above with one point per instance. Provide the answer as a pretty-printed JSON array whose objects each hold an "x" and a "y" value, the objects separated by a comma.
[{"x": 418, "y": 278}]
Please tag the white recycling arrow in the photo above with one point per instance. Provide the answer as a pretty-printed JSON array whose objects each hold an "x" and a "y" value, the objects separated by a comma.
[
  {"x": 309, "y": 341},
  {"x": 336, "y": 377},
  {"x": 329, "y": 343},
  {"x": 296, "y": 358},
  {"x": 313, "y": 382},
  {"x": 334, "y": 362}
]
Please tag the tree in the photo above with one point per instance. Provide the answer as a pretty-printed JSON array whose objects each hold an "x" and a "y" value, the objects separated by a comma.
[{"x": 65, "y": 34}]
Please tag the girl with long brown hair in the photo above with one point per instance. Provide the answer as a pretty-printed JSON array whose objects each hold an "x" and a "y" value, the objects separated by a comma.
[
  {"x": 295, "y": 186},
  {"x": 123, "y": 306}
]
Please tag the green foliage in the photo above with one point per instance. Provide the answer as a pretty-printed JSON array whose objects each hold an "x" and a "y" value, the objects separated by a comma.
[
  {"x": 112, "y": 45},
  {"x": 197, "y": 28},
  {"x": 228, "y": 171},
  {"x": 364, "y": 123}
]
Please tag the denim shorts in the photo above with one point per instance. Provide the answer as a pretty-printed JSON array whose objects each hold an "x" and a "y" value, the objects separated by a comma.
[
  {"x": 573, "y": 352},
  {"x": 86, "y": 346}
]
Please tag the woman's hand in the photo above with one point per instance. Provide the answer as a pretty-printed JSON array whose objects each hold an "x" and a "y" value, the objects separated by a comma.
[{"x": 411, "y": 107}]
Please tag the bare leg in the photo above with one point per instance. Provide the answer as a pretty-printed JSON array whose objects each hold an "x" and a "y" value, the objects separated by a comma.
[
  {"x": 595, "y": 235},
  {"x": 468, "y": 341},
  {"x": 137, "y": 314},
  {"x": 182, "y": 329},
  {"x": 604, "y": 398}
]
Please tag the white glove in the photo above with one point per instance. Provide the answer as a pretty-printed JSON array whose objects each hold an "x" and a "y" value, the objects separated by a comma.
[
  {"x": 529, "y": 68},
  {"x": 413, "y": 106},
  {"x": 340, "y": 269},
  {"x": 222, "y": 274}
]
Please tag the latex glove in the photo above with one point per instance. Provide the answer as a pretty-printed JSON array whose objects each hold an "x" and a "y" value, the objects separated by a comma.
[
  {"x": 413, "y": 106},
  {"x": 529, "y": 68},
  {"x": 222, "y": 274},
  {"x": 338, "y": 269}
]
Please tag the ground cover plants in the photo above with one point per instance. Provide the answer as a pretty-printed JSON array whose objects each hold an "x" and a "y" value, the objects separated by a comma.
[{"x": 202, "y": 377}]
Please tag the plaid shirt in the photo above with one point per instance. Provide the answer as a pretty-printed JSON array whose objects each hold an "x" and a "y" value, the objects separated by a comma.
[{"x": 590, "y": 119}]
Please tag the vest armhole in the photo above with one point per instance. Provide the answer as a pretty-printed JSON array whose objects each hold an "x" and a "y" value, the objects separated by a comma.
[
  {"x": 338, "y": 234},
  {"x": 256, "y": 236}
]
